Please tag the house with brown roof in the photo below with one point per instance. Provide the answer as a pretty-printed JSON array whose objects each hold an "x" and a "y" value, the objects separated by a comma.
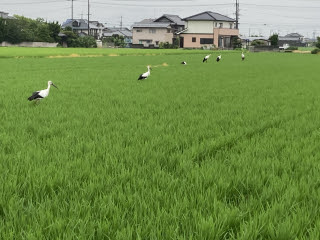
[
  {"x": 207, "y": 29},
  {"x": 151, "y": 32}
]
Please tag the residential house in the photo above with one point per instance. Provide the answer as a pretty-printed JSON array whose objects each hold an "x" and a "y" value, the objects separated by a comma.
[
  {"x": 80, "y": 26},
  {"x": 292, "y": 39},
  {"x": 264, "y": 41},
  {"x": 207, "y": 29},
  {"x": 151, "y": 32},
  {"x": 125, "y": 32},
  {"x": 310, "y": 42},
  {"x": 5, "y": 15}
]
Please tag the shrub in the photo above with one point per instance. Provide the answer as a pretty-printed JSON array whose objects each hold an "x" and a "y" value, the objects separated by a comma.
[
  {"x": 292, "y": 48},
  {"x": 167, "y": 45},
  {"x": 257, "y": 43},
  {"x": 85, "y": 42},
  {"x": 315, "y": 51}
]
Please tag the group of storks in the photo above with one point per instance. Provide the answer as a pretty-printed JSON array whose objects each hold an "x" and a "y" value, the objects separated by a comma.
[
  {"x": 205, "y": 59},
  {"x": 38, "y": 95}
]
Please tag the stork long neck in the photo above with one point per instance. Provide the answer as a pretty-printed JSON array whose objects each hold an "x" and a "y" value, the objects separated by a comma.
[
  {"x": 49, "y": 85},
  {"x": 148, "y": 69}
]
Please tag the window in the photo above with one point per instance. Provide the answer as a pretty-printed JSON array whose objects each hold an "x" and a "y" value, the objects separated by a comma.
[
  {"x": 206, "y": 40},
  {"x": 168, "y": 30},
  {"x": 139, "y": 30},
  {"x": 216, "y": 24},
  {"x": 220, "y": 25},
  {"x": 152, "y": 31},
  {"x": 157, "y": 42},
  {"x": 75, "y": 24},
  {"x": 231, "y": 25},
  {"x": 140, "y": 41},
  {"x": 194, "y": 39}
]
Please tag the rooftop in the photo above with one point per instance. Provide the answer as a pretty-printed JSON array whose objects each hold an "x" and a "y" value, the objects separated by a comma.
[
  {"x": 209, "y": 16},
  {"x": 81, "y": 24},
  {"x": 165, "y": 21}
]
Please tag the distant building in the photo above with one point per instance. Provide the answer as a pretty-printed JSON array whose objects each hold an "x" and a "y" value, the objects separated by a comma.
[
  {"x": 5, "y": 15},
  {"x": 207, "y": 29},
  {"x": 125, "y": 32},
  {"x": 151, "y": 32},
  {"x": 292, "y": 39},
  {"x": 310, "y": 42},
  {"x": 246, "y": 41},
  {"x": 80, "y": 26}
]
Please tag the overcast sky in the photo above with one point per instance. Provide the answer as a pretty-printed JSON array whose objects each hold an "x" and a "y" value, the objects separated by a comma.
[{"x": 256, "y": 16}]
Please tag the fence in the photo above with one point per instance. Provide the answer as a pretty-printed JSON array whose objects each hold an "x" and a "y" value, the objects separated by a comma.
[
  {"x": 29, "y": 44},
  {"x": 264, "y": 48}
]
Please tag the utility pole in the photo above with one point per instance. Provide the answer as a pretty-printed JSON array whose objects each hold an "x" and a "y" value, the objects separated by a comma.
[
  {"x": 71, "y": 8},
  {"x": 121, "y": 23},
  {"x": 88, "y": 18},
  {"x": 237, "y": 14}
]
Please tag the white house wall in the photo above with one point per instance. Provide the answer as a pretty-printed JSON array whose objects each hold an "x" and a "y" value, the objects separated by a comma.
[
  {"x": 204, "y": 26},
  {"x": 161, "y": 35}
]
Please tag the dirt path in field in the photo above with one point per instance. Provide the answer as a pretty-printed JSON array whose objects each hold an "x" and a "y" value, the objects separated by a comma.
[
  {"x": 74, "y": 55},
  {"x": 161, "y": 65},
  {"x": 298, "y": 51}
]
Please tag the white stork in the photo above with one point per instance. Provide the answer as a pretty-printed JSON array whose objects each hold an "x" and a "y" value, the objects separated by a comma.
[
  {"x": 184, "y": 63},
  {"x": 242, "y": 56},
  {"x": 145, "y": 75},
  {"x": 206, "y": 58},
  {"x": 218, "y": 58},
  {"x": 38, "y": 95}
]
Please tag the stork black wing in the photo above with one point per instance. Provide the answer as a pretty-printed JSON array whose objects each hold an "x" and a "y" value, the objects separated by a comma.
[
  {"x": 141, "y": 77},
  {"x": 34, "y": 95}
]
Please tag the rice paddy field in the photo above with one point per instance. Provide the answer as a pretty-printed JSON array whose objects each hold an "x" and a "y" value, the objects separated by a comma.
[{"x": 226, "y": 150}]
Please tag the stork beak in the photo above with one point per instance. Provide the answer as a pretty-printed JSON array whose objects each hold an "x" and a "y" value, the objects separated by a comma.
[{"x": 54, "y": 86}]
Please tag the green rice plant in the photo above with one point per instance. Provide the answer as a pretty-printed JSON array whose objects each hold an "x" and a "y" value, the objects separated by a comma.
[{"x": 224, "y": 150}]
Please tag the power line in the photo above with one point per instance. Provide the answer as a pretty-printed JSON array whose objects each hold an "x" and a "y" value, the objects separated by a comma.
[
  {"x": 168, "y": 6},
  {"x": 278, "y": 6},
  {"x": 27, "y": 3}
]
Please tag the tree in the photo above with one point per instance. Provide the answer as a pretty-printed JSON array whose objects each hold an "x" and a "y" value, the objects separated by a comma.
[
  {"x": 68, "y": 28},
  {"x": 118, "y": 40},
  {"x": 318, "y": 42},
  {"x": 176, "y": 42},
  {"x": 236, "y": 42},
  {"x": 22, "y": 29},
  {"x": 42, "y": 34},
  {"x": 2, "y": 29},
  {"x": 274, "y": 39},
  {"x": 54, "y": 30},
  {"x": 71, "y": 38},
  {"x": 13, "y": 32}
]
